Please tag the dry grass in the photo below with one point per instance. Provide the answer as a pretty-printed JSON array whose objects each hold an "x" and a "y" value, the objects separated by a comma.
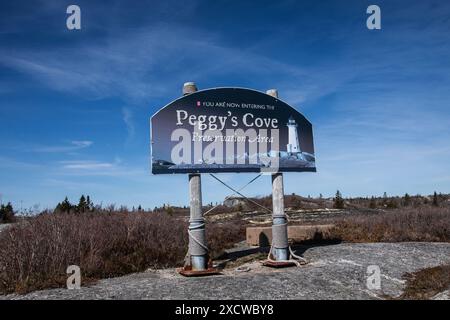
[
  {"x": 425, "y": 223},
  {"x": 426, "y": 283},
  {"x": 221, "y": 236},
  {"x": 35, "y": 254}
]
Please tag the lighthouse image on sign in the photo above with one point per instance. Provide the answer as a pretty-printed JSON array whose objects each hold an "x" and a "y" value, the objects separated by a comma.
[
  {"x": 293, "y": 145},
  {"x": 294, "y": 156}
]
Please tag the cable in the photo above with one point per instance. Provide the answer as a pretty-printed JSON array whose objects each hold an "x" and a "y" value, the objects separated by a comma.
[
  {"x": 236, "y": 191},
  {"x": 293, "y": 257},
  {"x": 229, "y": 196}
]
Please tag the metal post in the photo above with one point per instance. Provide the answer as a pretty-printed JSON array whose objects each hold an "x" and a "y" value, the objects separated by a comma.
[
  {"x": 197, "y": 238},
  {"x": 189, "y": 87},
  {"x": 280, "y": 245}
]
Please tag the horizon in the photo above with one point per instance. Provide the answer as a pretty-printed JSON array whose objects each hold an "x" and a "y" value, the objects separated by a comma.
[
  {"x": 75, "y": 105},
  {"x": 118, "y": 206}
]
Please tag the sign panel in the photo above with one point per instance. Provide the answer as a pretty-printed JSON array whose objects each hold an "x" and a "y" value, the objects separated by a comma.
[{"x": 230, "y": 130}]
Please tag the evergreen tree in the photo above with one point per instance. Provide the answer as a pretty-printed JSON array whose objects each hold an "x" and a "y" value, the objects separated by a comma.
[
  {"x": 7, "y": 213},
  {"x": 338, "y": 200},
  {"x": 435, "y": 199},
  {"x": 64, "y": 206},
  {"x": 82, "y": 204},
  {"x": 90, "y": 204},
  {"x": 406, "y": 200}
]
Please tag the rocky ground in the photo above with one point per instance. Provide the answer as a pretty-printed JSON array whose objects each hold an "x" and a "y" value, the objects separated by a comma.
[{"x": 333, "y": 272}]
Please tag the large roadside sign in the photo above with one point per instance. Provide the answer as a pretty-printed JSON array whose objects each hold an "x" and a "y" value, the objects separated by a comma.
[{"x": 230, "y": 130}]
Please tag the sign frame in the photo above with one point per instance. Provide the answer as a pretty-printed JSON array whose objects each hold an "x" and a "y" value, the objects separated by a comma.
[{"x": 294, "y": 151}]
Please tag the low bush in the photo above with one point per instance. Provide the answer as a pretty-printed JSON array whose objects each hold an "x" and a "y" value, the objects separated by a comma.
[
  {"x": 425, "y": 223},
  {"x": 426, "y": 283},
  {"x": 35, "y": 253},
  {"x": 222, "y": 236}
]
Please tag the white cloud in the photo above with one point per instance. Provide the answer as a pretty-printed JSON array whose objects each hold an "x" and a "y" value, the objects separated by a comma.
[
  {"x": 82, "y": 143},
  {"x": 73, "y": 146},
  {"x": 99, "y": 168},
  {"x": 87, "y": 165},
  {"x": 152, "y": 61},
  {"x": 127, "y": 116}
]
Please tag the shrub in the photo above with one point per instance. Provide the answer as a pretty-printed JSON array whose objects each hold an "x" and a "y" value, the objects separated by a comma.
[
  {"x": 406, "y": 200},
  {"x": 35, "y": 253},
  {"x": 435, "y": 199},
  {"x": 406, "y": 224},
  {"x": 221, "y": 236},
  {"x": 392, "y": 204},
  {"x": 372, "y": 203},
  {"x": 426, "y": 283},
  {"x": 338, "y": 201},
  {"x": 169, "y": 210}
]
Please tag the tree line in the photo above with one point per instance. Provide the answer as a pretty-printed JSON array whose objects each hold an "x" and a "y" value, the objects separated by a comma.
[
  {"x": 391, "y": 202},
  {"x": 85, "y": 204}
]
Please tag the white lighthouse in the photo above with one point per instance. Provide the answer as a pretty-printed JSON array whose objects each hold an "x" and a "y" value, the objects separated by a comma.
[{"x": 293, "y": 145}]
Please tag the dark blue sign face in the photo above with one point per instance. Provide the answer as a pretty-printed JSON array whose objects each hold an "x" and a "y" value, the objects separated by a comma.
[{"x": 230, "y": 130}]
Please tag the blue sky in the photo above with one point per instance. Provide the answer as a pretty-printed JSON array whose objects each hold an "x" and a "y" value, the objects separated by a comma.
[{"x": 75, "y": 105}]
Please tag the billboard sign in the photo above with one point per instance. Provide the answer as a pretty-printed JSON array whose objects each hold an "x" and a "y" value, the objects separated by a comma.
[{"x": 230, "y": 130}]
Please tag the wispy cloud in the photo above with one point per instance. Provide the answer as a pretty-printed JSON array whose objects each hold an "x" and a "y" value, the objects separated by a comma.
[
  {"x": 378, "y": 100},
  {"x": 87, "y": 165},
  {"x": 99, "y": 168},
  {"x": 155, "y": 60},
  {"x": 72, "y": 146},
  {"x": 127, "y": 117}
]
